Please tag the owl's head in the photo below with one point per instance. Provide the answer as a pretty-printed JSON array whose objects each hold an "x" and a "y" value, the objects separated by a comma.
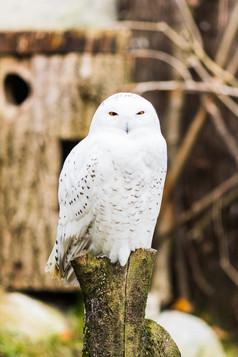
[{"x": 125, "y": 113}]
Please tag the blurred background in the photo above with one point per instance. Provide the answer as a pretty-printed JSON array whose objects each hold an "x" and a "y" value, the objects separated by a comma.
[{"x": 58, "y": 61}]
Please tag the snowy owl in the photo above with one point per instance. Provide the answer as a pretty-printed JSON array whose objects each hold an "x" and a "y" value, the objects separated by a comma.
[{"x": 111, "y": 185}]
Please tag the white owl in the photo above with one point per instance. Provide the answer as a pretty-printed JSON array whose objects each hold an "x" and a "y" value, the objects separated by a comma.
[{"x": 111, "y": 185}]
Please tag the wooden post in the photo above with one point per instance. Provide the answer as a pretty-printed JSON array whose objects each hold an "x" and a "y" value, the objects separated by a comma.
[{"x": 115, "y": 299}]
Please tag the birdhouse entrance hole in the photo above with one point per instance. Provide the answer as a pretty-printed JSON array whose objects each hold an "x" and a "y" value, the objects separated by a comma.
[{"x": 17, "y": 90}]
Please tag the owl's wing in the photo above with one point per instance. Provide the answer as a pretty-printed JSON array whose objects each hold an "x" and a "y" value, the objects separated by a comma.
[{"x": 75, "y": 208}]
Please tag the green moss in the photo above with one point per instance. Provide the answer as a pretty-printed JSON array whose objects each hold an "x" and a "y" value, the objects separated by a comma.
[{"x": 159, "y": 342}]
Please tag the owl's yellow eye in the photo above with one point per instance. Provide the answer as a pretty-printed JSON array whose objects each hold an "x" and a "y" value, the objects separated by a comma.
[
  {"x": 113, "y": 114},
  {"x": 140, "y": 113}
]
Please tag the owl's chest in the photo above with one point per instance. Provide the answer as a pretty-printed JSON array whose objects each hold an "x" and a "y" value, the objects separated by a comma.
[
  {"x": 125, "y": 157},
  {"x": 124, "y": 183},
  {"x": 126, "y": 175}
]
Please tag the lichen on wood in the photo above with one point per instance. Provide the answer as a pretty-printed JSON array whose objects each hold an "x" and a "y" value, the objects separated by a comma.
[{"x": 115, "y": 300}]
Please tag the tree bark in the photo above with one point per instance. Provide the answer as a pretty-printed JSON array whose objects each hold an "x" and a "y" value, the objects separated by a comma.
[{"x": 115, "y": 300}]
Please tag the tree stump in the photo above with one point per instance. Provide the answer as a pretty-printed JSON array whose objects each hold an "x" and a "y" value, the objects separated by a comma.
[{"x": 115, "y": 300}]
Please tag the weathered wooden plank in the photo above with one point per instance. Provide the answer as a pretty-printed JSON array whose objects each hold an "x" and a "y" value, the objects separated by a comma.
[{"x": 26, "y": 43}]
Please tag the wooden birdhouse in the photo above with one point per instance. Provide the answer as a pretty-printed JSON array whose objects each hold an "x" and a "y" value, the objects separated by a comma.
[{"x": 50, "y": 86}]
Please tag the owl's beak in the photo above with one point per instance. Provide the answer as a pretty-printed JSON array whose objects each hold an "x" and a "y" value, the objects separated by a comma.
[{"x": 127, "y": 128}]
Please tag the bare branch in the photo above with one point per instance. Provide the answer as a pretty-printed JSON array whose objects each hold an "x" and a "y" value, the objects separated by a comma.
[
  {"x": 195, "y": 63},
  {"x": 196, "y": 270},
  {"x": 184, "y": 152},
  {"x": 188, "y": 86},
  {"x": 221, "y": 128},
  {"x": 209, "y": 84},
  {"x": 205, "y": 202},
  {"x": 229, "y": 103},
  {"x": 162, "y": 56},
  {"x": 228, "y": 37},
  {"x": 191, "y": 47},
  {"x": 214, "y": 83},
  {"x": 225, "y": 262},
  {"x": 198, "y": 49},
  {"x": 208, "y": 216},
  {"x": 214, "y": 68},
  {"x": 162, "y": 27},
  {"x": 233, "y": 63},
  {"x": 189, "y": 21}
]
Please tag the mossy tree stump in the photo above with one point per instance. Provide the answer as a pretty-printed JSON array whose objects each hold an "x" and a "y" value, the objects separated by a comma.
[{"x": 115, "y": 300}]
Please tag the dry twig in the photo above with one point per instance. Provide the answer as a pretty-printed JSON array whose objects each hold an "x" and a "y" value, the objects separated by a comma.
[
  {"x": 204, "y": 203},
  {"x": 220, "y": 127},
  {"x": 189, "y": 22},
  {"x": 192, "y": 47},
  {"x": 196, "y": 271},
  {"x": 184, "y": 152},
  {"x": 198, "y": 229},
  {"x": 233, "y": 63},
  {"x": 225, "y": 262},
  {"x": 178, "y": 65},
  {"x": 162, "y": 27},
  {"x": 228, "y": 37},
  {"x": 189, "y": 86}
]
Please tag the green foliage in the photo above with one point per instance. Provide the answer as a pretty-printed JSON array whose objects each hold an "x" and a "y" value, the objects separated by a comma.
[{"x": 12, "y": 346}]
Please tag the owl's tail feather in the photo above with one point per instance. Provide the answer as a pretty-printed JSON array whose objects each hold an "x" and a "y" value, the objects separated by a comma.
[
  {"x": 71, "y": 278},
  {"x": 51, "y": 266},
  {"x": 65, "y": 270}
]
